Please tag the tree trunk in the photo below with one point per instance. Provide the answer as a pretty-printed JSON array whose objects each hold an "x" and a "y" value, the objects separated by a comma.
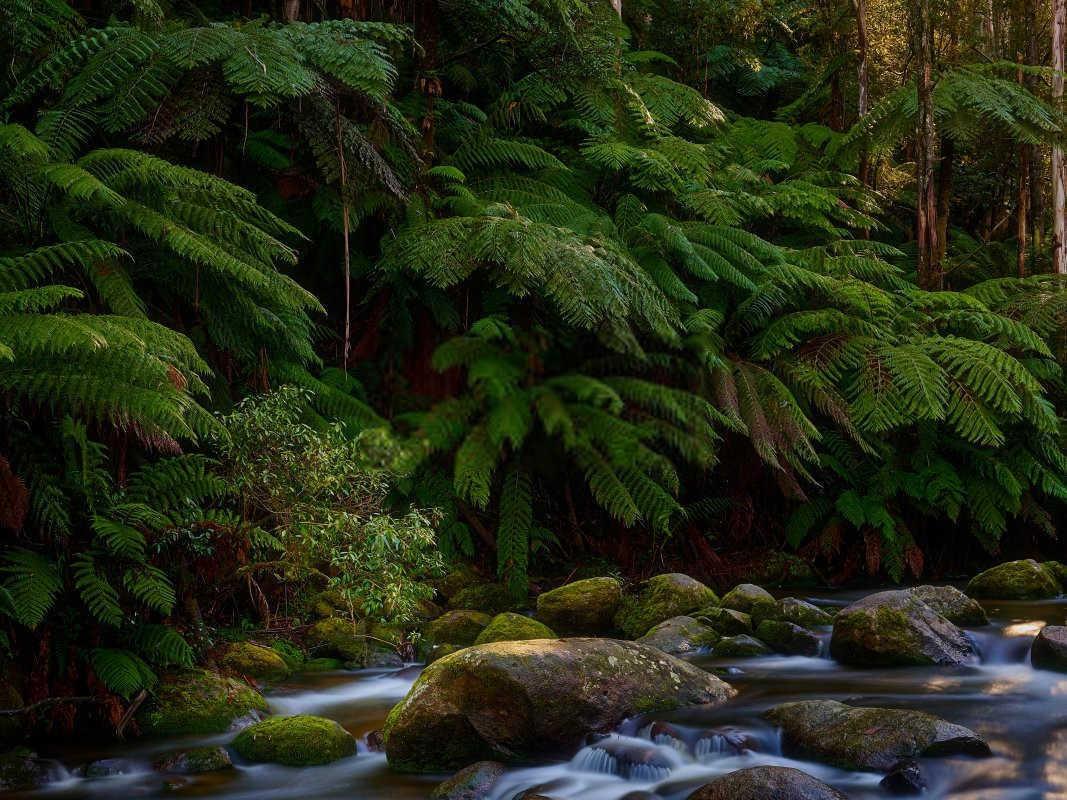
[
  {"x": 292, "y": 10},
  {"x": 428, "y": 82},
  {"x": 929, "y": 268},
  {"x": 1022, "y": 209},
  {"x": 617, "y": 5},
  {"x": 1059, "y": 189},
  {"x": 862, "y": 80},
  {"x": 944, "y": 195}
]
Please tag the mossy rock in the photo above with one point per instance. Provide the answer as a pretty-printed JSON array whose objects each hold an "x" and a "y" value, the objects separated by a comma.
[
  {"x": 1058, "y": 570},
  {"x": 1015, "y": 580},
  {"x": 474, "y": 782},
  {"x": 11, "y": 728},
  {"x": 660, "y": 598},
  {"x": 195, "y": 761},
  {"x": 254, "y": 661},
  {"x": 459, "y": 578},
  {"x": 522, "y": 701},
  {"x": 725, "y": 620},
  {"x": 300, "y": 741},
  {"x": 352, "y": 642},
  {"x": 743, "y": 596},
  {"x": 861, "y": 738},
  {"x": 896, "y": 628},
  {"x": 582, "y": 607},
  {"x": 322, "y": 665},
  {"x": 325, "y": 604},
  {"x": 293, "y": 654},
  {"x": 784, "y": 569},
  {"x": 21, "y": 770},
  {"x": 1049, "y": 650},
  {"x": 511, "y": 627},
  {"x": 198, "y": 701},
  {"x": 459, "y": 627},
  {"x": 788, "y": 638},
  {"x": 490, "y": 598},
  {"x": 742, "y": 646},
  {"x": 766, "y": 783},
  {"x": 790, "y": 609},
  {"x": 952, "y": 604},
  {"x": 680, "y": 635}
]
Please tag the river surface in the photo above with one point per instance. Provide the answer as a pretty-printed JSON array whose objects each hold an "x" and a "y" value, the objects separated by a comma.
[{"x": 1020, "y": 711}]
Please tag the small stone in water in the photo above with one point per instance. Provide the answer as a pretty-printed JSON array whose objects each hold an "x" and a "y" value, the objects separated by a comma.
[
  {"x": 905, "y": 778},
  {"x": 470, "y": 783},
  {"x": 375, "y": 741}
]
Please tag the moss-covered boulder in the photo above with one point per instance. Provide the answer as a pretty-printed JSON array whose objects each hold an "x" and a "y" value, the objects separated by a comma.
[
  {"x": 952, "y": 604},
  {"x": 254, "y": 661},
  {"x": 459, "y": 627},
  {"x": 743, "y": 596},
  {"x": 300, "y": 741},
  {"x": 868, "y": 738},
  {"x": 801, "y": 612},
  {"x": 788, "y": 638},
  {"x": 459, "y": 578},
  {"x": 1058, "y": 570},
  {"x": 896, "y": 628},
  {"x": 195, "y": 761},
  {"x": 766, "y": 783},
  {"x": 490, "y": 598},
  {"x": 21, "y": 770},
  {"x": 474, "y": 782},
  {"x": 660, "y": 598},
  {"x": 322, "y": 665},
  {"x": 1049, "y": 650},
  {"x": 1014, "y": 580},
  {"x": 725, "y": 621},
  {"x": 582, "y": 607},
  {"x": 680, "y": 635},
  {"x": 337, "y": 637},
  {"x": 741, "y": 646},
  {"x": 198, "y": 701},
  {"x": 783, "y": 569},
  {"x": 518, "y": 701},
  {"x": 511, "y": 627}
]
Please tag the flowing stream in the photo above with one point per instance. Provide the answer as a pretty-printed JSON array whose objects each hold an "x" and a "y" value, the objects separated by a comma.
[{"x": 1020, "y": 711}]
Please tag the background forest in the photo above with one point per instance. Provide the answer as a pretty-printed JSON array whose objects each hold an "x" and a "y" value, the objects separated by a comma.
[{"x": 766, "y": 288}]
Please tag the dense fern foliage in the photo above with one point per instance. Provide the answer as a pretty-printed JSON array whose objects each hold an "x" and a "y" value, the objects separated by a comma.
[{"x": 637, "y": 287}]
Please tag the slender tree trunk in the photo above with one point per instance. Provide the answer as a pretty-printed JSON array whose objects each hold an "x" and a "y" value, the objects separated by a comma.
[
  {"x": 944, "y": 195},
  {"x": 428, "y": 35},
  {"x": 292, "y": 10},
  {"x": 862, "y": 80},
  {"x": 617, "y": 5},
  {"x": 1022, "y": 209},
  {"x": 929, "y": 269},
  {"x": 1059, "y": 179}
]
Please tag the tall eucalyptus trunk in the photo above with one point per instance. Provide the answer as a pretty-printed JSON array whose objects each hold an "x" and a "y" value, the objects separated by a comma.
[
  {"x": 931, "y": 276},
  {"x": 1059, "y": 178}
]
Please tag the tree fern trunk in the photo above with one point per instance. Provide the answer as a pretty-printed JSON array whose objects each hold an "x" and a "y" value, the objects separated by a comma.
[
  {"x": 929, "y": 269},
  {"x": 862, "y": 81},
  {"x": 944, "y": 194},
  {"x": 428, "y": 35},
  {"x": 1059, "y": 189}
]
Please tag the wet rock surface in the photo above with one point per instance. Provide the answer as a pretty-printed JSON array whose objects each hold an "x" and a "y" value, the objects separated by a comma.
[
  {"x": 1049, "y": 650},
  {"x": 766, "y": 783},
  {"x": 865, "y": 738},
  {"x": 513, "y": 701}
]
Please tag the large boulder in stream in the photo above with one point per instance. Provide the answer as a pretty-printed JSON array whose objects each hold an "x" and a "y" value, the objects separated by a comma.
[
  {"x": 582, "y": 607},
  {"x": 766, "y": 783},
  {"x": 199, "y": 701},
  {"x": 952, "y": 604},
  {"x": 744, "y": 596},
  {"x": 517, "y": 701},
  {"x": 896, "y": 628},
  {"x": 659, "y": 599},
  {"x": 1049, "y": 650},
  {"x": 868, "y": 738},
  {"x": 1015, "y": 580},
  {"x": 299, "y": 741}
]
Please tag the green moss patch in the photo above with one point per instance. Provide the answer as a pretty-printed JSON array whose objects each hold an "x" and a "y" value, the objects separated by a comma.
[
  {"x": 511, "y": 627},
  {"x": 299, "y": 741},
  {"x": 198, "y": 701}
]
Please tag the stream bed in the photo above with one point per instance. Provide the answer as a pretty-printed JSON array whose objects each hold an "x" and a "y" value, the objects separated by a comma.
[{"x": 1020, "y": 711}]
